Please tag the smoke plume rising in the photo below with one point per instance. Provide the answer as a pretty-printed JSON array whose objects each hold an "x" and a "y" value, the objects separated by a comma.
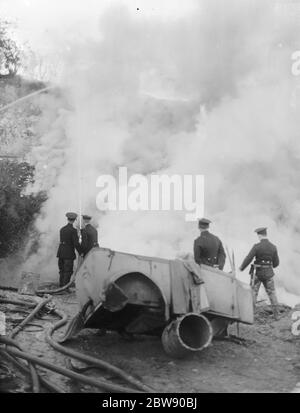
[{"x": 209, "y": 93}]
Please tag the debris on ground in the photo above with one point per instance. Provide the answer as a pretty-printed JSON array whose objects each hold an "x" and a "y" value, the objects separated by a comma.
[
  {"x": 264, "y": 312},
  {"x": 263, "y": 357}
]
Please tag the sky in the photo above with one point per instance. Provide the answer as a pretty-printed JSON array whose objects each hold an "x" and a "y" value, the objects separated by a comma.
[{"x": 40, "y": 22}]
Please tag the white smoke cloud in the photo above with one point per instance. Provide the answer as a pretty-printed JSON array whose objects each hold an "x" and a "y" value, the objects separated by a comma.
[{"x": 208, "y": 93}]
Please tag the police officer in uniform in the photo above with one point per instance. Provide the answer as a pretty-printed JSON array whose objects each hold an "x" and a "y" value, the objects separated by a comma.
[
  {"x": 208, "y": 248},
  {"x": 69, "y": 241},
  {"x": 266, "y": 258},
  {"x": 89, "y": 235}
]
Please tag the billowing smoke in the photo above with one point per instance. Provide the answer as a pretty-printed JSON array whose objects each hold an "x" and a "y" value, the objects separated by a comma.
[{"x": 209, "y": 93}]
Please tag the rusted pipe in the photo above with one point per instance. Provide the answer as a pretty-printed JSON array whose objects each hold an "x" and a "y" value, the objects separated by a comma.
[{"x": 187, "y": 334}]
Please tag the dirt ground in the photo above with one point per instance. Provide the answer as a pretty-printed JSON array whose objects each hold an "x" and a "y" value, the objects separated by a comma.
[{"x": 267, "y": 361}]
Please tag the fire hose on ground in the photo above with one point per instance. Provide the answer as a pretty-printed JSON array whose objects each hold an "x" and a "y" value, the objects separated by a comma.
[
  {"x": 30, "y": 304},
  {"x": 65, "y": 372},
  {"x": 26, "y": 320},
  {"x": 28, "y": 370},
  {"x": 32, "y": 360},
  {"x": 89, "y": 359},
  {"x": 8, "y": 353},
  {"x": 65, "y": 287},
  {"x": 57, "y": 290},
  {"x": 31, "y": 367}
]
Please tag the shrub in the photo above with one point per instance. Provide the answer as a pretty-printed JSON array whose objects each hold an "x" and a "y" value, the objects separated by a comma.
[{"x": 17, "y": 211}]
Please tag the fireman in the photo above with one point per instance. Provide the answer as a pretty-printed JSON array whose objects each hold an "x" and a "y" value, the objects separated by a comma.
[
  {"x": 208, "y": 248},
  {"x": 266, "y": 258},
  {"x": 66, "y": 255},
  {"x": 89, "y": 235}
]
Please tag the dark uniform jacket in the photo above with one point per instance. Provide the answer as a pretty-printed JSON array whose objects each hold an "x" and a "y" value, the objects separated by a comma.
[
  {"x": 89, "y": 238},
  {"x": 69, "y": 241},
  {"x": 208, "y": 249},
  {"x": 266, "y": 258}
]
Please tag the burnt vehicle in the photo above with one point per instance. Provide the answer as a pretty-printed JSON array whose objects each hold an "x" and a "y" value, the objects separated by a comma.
[{"x": 184, "y": 303}]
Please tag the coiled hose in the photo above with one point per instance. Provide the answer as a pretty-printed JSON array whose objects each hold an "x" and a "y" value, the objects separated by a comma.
[
  {"x": 37, "y": 307},
  {"x": 61, "y": 370},
  {"x": 32, "y": 360},
  {"x": 89, "y": 359}
]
